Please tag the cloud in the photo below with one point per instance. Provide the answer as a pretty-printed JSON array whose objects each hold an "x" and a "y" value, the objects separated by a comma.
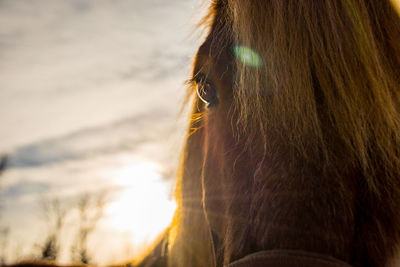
[
  {"x": 68, "y": 65},
  {"x": 125, "y": 135},
  {"x": 24, "y": 187}
]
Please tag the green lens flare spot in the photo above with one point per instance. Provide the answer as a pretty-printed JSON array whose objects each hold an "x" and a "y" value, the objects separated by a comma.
[{"x": 247, "y": 56}]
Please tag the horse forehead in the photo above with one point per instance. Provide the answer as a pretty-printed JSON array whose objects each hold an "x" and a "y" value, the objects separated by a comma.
[
  {"x": 205, "y": 47},
  {"x": 210, "y": 48},
  {"x": 213, "y": 58}
]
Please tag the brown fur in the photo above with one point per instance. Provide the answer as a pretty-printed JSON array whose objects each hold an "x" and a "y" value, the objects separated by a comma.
[{"x": 303, "y": 152}]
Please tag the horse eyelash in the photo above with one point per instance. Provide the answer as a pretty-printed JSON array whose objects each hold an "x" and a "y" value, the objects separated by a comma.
[
  {"x": 194, "y": 81},
  {"x": 197, "y": 78},
  {"x": 190, "y": 81}
]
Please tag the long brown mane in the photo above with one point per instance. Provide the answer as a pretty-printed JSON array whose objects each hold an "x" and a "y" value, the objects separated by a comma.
[{"x": 301, "y": 153}]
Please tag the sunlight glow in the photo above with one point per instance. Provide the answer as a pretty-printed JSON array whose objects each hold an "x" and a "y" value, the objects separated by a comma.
[
  {"x": 396, "y": 4},
  {"x": 144, "y": 207}
]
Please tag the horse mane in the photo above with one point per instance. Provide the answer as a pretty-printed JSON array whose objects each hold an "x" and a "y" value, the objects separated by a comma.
[
  {"x": 327, "y": 96},
  {"x": 332, "y": 70},
  {"x": 325, "y": 105}
]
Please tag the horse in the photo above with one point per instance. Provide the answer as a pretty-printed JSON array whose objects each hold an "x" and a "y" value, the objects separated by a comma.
[{"x": 292, "y": 156}]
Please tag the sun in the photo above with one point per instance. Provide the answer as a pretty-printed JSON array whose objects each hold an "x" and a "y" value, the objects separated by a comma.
[{"x": 144, "y": 207}]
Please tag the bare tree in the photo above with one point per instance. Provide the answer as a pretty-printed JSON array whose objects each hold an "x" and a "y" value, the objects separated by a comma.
[
  {"x": 3, "y": 166},
  {"x": 4, "y": 234},
  {"x": 54, "y": 214},
  {"x": 4, "y": 231},
  {"x": 91, "y": 210}
]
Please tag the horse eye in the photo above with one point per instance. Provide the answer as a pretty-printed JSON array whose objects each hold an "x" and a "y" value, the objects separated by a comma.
[{"x": 207, "y": 92}]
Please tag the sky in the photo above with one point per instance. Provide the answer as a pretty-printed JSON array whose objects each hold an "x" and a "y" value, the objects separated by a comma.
[{"x": 90, "y": 101}]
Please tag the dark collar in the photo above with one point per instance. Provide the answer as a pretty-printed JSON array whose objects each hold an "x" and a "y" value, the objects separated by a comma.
[{"x": 287, "y": 258}]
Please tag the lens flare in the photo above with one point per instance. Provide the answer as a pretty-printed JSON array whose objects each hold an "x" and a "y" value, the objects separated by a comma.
[{"x": 247, "y": 56}]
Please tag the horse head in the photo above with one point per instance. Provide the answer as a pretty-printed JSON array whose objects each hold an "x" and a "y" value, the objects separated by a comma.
[{"x": 293, "y": 144}]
